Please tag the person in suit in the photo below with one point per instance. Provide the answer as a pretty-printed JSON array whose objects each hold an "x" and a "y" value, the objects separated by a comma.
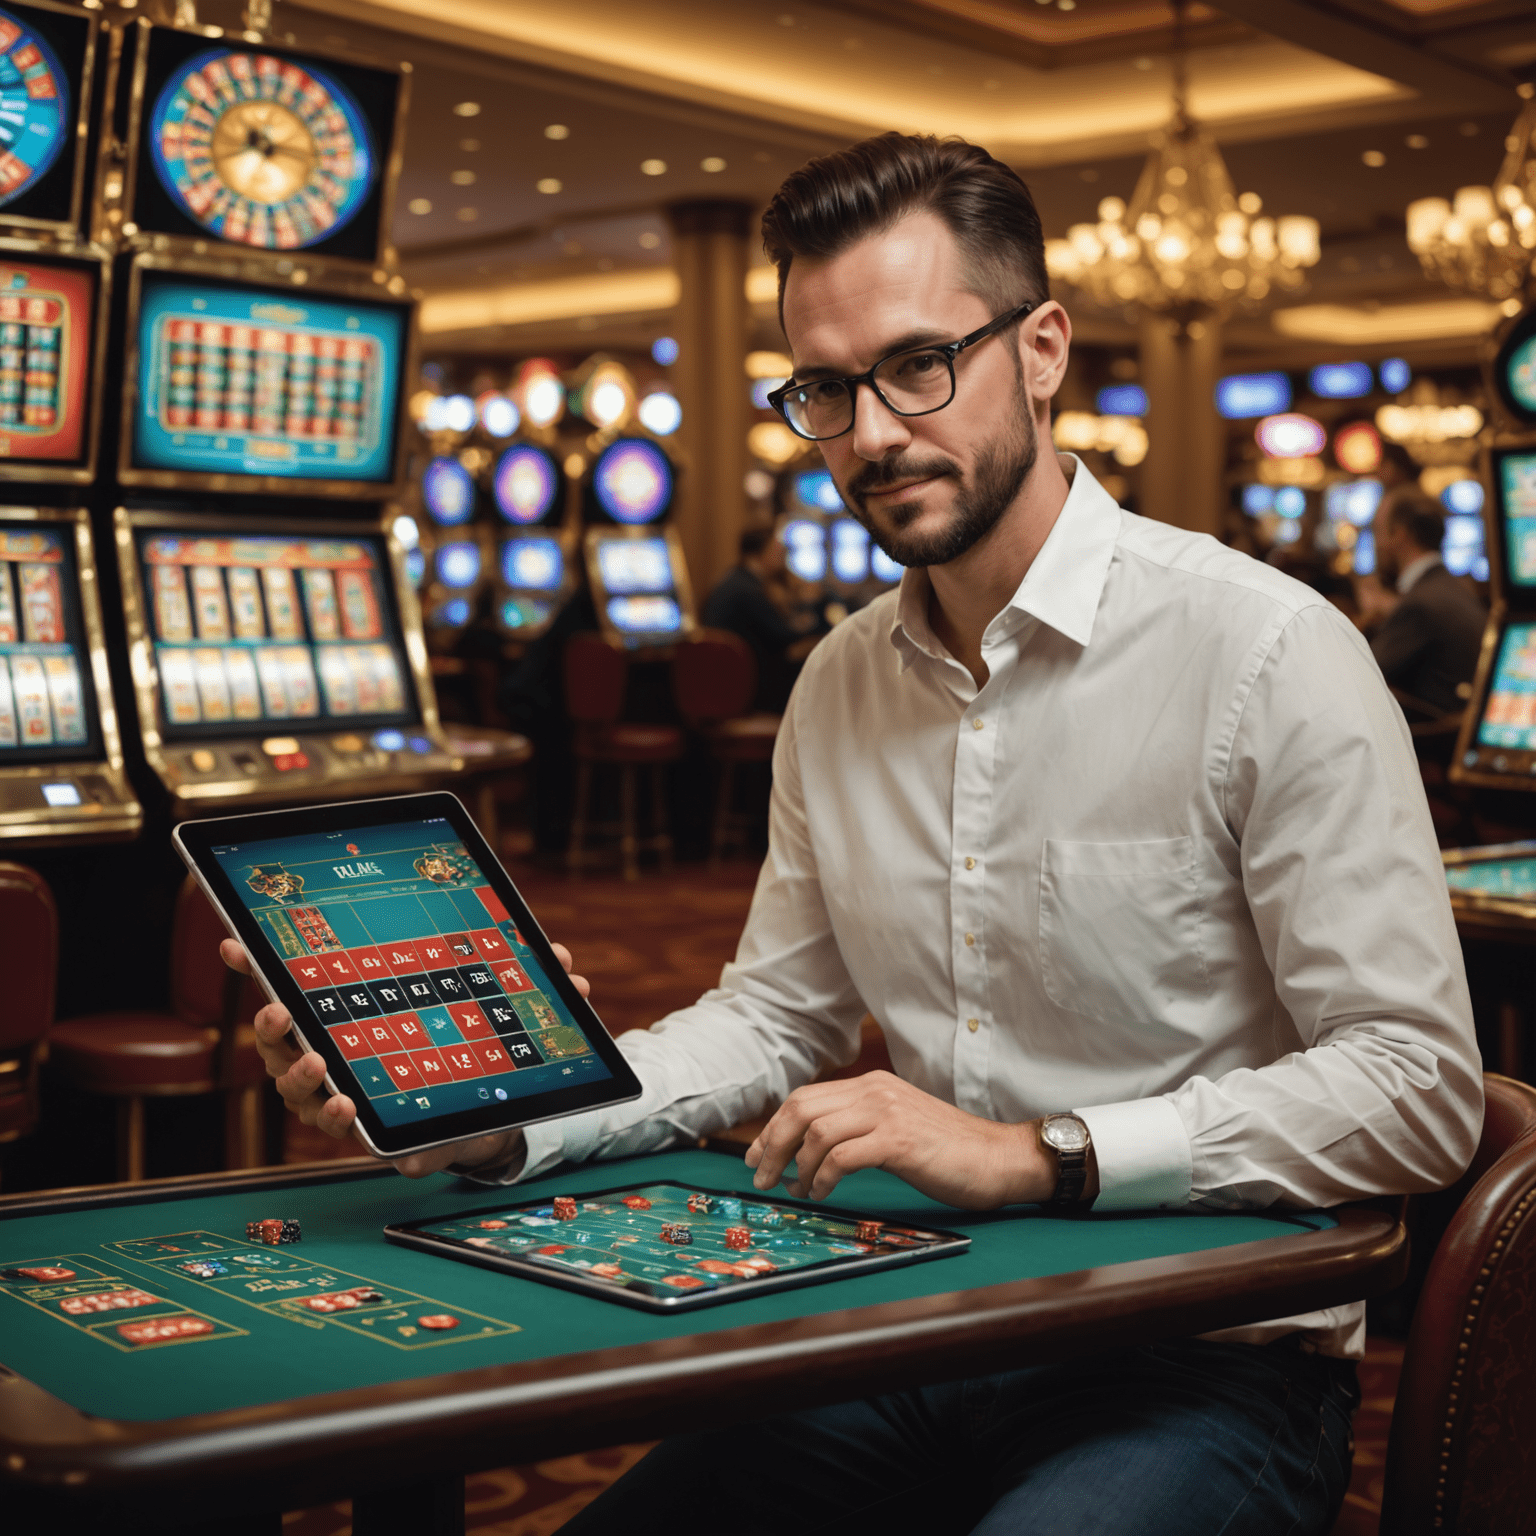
[{"x": 1428, "y": 644}]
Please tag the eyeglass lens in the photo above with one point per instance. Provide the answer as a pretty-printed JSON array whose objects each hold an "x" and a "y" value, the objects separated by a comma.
[{"x": 911, "y": 383}]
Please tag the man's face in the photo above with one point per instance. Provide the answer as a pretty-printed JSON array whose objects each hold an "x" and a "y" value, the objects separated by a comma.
[{"x": 927, "y": 487}]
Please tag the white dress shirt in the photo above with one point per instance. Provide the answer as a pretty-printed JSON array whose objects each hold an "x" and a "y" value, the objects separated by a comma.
[{"x": 1172, "y": 867}]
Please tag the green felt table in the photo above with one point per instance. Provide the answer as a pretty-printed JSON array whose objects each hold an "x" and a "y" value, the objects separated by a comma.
[{"x": 270, "y": 1403}]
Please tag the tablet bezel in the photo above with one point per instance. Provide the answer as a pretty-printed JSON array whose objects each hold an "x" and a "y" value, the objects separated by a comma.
[
  {"x": 409, "y": 1235},
  {"x": 195, "y": 841}
]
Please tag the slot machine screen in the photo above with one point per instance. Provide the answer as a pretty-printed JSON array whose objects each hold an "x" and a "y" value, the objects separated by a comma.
[
  {"x": 641, "y": 591},
  {"x": 805, "y": 549},
  {"x": 47, "y": 700},
  {"x": 262, "y": 631},
  {"x": 536, "y": 564},
  {"x": 817, "y": 490},
  {"x": 1506, "y": 879},
  {"x": 850, "y": 551},
  {"x": 47, "y": 333},
  {"x": 1515, "y": 477},
  {"x": 43, "y": 61},
  {"x": 632, "y": 481},
  {"x": 883, "y": 568},
  {"x": 1514, "y": 369},
  {"x": 1509, "y": 716},
  {"x": 448, "y": 492},
  {"x": 201, "y": 171},
  {"x": 526, "y": 485},
  {"x": 267, "y": 383}
]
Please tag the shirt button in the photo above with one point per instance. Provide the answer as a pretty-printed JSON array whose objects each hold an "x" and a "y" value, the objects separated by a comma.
[
  {"x": 975, "y": 725},
  {"x": 970, "y": 938},
  {"x": 970, "y": 863},
  {"x": 973, "y": 1025}
]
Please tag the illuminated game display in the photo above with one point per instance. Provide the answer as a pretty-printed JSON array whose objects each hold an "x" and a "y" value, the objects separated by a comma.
[
  {"x": 47, "y": 344},
  {"x": 1511, "y": 879},
  {"x": 1513, "y": 370},
  {"x": 1509, "y": 716},
  {"x": 259, "y": 146},
  {"x": 805, "y": 549},
  {"x": 408, "y": 960},
  {"x": 640, "y": 585},
  {"x": 265, "y": 631},
  {"x": 632, "y": 481},
  {"x": 536, "y": 579},
  {"x": 448, "y": 492},
  {"x": 526, "y": 484},
  {"x": 267, "y": 383},
  {"x": 1517, "y": 482},
  {"x": 47, "y": 700},
  {"x": 850, "y": 551},
  {"x": 259, "y": 151}
]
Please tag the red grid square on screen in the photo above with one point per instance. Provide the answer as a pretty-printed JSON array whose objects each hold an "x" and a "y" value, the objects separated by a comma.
[
  {"x": 380, "y": 1037},
  {"x": 434, "y": 953},
  {"x": 369, "y": 963},
  {"x": 432, "y": 1067},
  {"x": 512, "y": 976},
  {"x": 308, "y": 973},
  {"x": 402, "y": 959},
  {"x": 473, "y": 1024},
  {"x": 401, "y": 1071},
  {"x": 408, "y": 1030},
  {"x": 462, "y": 946},
  {"x": 339, "y": 968},
  {"x": 491, "y": 944},
  {"x": 491, "y": 1055},
  {"x": 492, "y": 904},
  {"x": 352, "y": 1041},
  {"x": 462, "y": 1062}
]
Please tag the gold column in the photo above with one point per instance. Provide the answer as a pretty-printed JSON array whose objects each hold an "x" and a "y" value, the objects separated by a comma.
[
  {"x": 709, "y": 246},
  {"x": 1181, "y": 476}
]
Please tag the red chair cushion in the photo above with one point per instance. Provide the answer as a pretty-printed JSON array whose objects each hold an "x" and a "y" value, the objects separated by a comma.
[
  {"x": 595, "y": 670},
  {"x": 629, "y": 743},
  {"x": 714, "y": 675},
  {"x": 29, "y": 955},
  {"x": 133, "y": 1053}
]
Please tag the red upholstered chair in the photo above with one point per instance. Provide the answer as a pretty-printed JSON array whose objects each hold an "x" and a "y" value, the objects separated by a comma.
[
  {"x": 714, "y": 678},
  {"x": 203, "y": 1045},
  {"x": 595, "y": 674},
  {"x": 29, "y": 961},
  {"x": 1462, "y": 1453}
]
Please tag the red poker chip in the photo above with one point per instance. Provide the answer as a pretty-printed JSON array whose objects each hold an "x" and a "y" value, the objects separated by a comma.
[{"x": 438, "y": 1321}]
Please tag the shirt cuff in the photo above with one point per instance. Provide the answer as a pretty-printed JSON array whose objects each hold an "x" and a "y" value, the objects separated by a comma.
[{"x": 1143, "y": 1155}]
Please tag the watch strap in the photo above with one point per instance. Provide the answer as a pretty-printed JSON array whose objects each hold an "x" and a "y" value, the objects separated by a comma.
[{"x": 1071, "y": 1167}]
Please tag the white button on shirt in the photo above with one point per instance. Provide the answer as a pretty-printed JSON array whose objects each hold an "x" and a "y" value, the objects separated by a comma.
[{"x": 1208, "y": 911}]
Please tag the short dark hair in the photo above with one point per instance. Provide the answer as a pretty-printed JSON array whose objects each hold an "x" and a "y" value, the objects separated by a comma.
[
  {"x": 1418, "y": 515},
  {"x": 834, "y": 202},
  {"x": 753, "y": 542}
]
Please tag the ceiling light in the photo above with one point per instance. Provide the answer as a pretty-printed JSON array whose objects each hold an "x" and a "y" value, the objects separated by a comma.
[
  {"x": 469, "y": 146},
  {"x": 650, "y": 240},
  {"x": 664, "y": 351},
  {"x": 1373, "y": 158},
  {"x": 467, "y": 109},
  {"x": 712, "y": 163},
  {"x": 1416, "y": 141},
  {"x": 467, "y": 215},
  {"x": 550, "y": 184},
  {"x": 557, "y": 131},
  {"x": 1343, "y": 325},
  {"x": 420, "y": 205},
  {"x": 660, "y": 413},
  {"x": 463, "y": 178},
  {"x": 654, "y": 167},
  {"x": 768, "y": 365}
]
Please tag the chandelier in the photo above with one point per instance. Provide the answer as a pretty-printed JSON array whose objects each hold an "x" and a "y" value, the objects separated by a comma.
[
  {"x": 1186, "y": 241},
  {"x": 1485, "y": 241}
]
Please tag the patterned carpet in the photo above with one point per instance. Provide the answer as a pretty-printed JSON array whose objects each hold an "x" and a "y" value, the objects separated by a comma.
[{"x": 648, "y": 948}]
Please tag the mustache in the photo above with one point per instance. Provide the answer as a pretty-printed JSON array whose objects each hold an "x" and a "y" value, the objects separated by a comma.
[{"x": 875, "y": 477}]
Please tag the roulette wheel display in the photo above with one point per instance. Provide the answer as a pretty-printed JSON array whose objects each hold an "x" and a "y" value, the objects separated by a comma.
[
  {"x": 34, "y": 106},
  {"x": 259, "y": 150}
]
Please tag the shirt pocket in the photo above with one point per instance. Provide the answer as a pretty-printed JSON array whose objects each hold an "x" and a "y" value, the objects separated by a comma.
[{"x": 1120, "y": 931}]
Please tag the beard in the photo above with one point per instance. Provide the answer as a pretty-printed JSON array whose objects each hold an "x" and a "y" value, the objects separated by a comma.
[{"x": 1002, "y": 467}]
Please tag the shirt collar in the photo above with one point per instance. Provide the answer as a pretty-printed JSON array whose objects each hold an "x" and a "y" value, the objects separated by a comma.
[
  {"x": 1415, "y": 571},
  {"x": 1062, "y": 586}
]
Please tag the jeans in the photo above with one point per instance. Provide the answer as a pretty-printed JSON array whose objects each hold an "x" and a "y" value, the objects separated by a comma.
[{"x": 1187, "y": 1438}]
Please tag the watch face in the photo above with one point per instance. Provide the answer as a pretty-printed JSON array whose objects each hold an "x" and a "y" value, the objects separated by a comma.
[{"x": 1065, "y": 1134}]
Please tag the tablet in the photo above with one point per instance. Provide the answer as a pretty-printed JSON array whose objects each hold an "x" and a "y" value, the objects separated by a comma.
[
  {"x": 666, "y": 1247},
  {"x": 390, "y": 932}
]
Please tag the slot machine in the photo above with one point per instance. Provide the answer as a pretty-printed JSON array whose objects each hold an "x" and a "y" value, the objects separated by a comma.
[
  {"x": 634, "y": 557},
  {"x": 536, "y": 570},
  {"x": 830, "y": 550},
  {"x": 453, "y": 558},
  {"x": 62, "y": 773}
]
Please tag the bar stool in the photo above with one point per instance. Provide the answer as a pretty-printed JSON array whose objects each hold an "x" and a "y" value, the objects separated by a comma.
[
  {"x": 200, "y": 1046},
  {"x": 595, "y": 673},
  {"x": 714, "y": 676},
  {"x": 29, "y": 961}
]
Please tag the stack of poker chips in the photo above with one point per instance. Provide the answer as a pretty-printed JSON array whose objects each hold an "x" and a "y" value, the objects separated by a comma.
[
  {"x": 730, "y": 1208},
  {"x": 868, "y": 1231},
  {"x": 676, "y": 1234},
  {"x": 700, "y": 1204},
  {"x": 738, "y": 1237},
  {"x": 565, "y": 1208},
  {"x": 272, "y": 1231}
]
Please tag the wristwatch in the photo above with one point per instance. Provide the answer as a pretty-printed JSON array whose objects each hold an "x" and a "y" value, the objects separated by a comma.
[{"x": 1068, "y": 1138}]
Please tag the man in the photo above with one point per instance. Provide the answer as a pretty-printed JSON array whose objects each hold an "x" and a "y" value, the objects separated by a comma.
[
  {"x": 1428, "y": 645},
  {"x": 1094, "y": 815},
  {"x": 741, "y": 604}
]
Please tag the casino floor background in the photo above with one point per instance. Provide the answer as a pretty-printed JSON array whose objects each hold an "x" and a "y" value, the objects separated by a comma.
[{"x": 383, "y": 390}]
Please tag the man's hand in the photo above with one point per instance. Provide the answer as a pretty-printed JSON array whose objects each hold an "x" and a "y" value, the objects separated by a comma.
[
  {"x": 300, "y": 1079},
  {"x": 830, "y": 1130}
]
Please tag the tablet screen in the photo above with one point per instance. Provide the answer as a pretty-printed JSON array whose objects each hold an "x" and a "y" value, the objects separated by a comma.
[{"x": 410, "y": 964}]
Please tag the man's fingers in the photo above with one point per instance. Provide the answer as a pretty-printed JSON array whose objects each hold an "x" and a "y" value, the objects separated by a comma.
[
  {"x": 234, "y": 956},
  {"x": 581, "y": 984},
  {"x": 471, "y": 1154},
  {"x": 822, "y": 1137},
  {"x": 779, "y": 1141},
  {"x": 563, "y": 955},
  {"x": 845, "y": 1158}
]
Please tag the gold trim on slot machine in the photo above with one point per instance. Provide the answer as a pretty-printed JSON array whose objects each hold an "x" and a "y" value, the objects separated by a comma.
[
  {"x": 61, "y": 759},
  {"x": 230, "y": 143},
  {"x": 1493, "y": 885},
  {"x": 276, "y": 662},
  {"x": 234, "y": 382}
]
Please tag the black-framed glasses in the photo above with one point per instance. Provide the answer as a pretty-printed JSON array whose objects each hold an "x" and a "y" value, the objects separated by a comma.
[{"x": 913, "y": 382}]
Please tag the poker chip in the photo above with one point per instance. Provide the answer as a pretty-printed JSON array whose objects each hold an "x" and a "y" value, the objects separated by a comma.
[{"x": 438, "y": 1321}]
